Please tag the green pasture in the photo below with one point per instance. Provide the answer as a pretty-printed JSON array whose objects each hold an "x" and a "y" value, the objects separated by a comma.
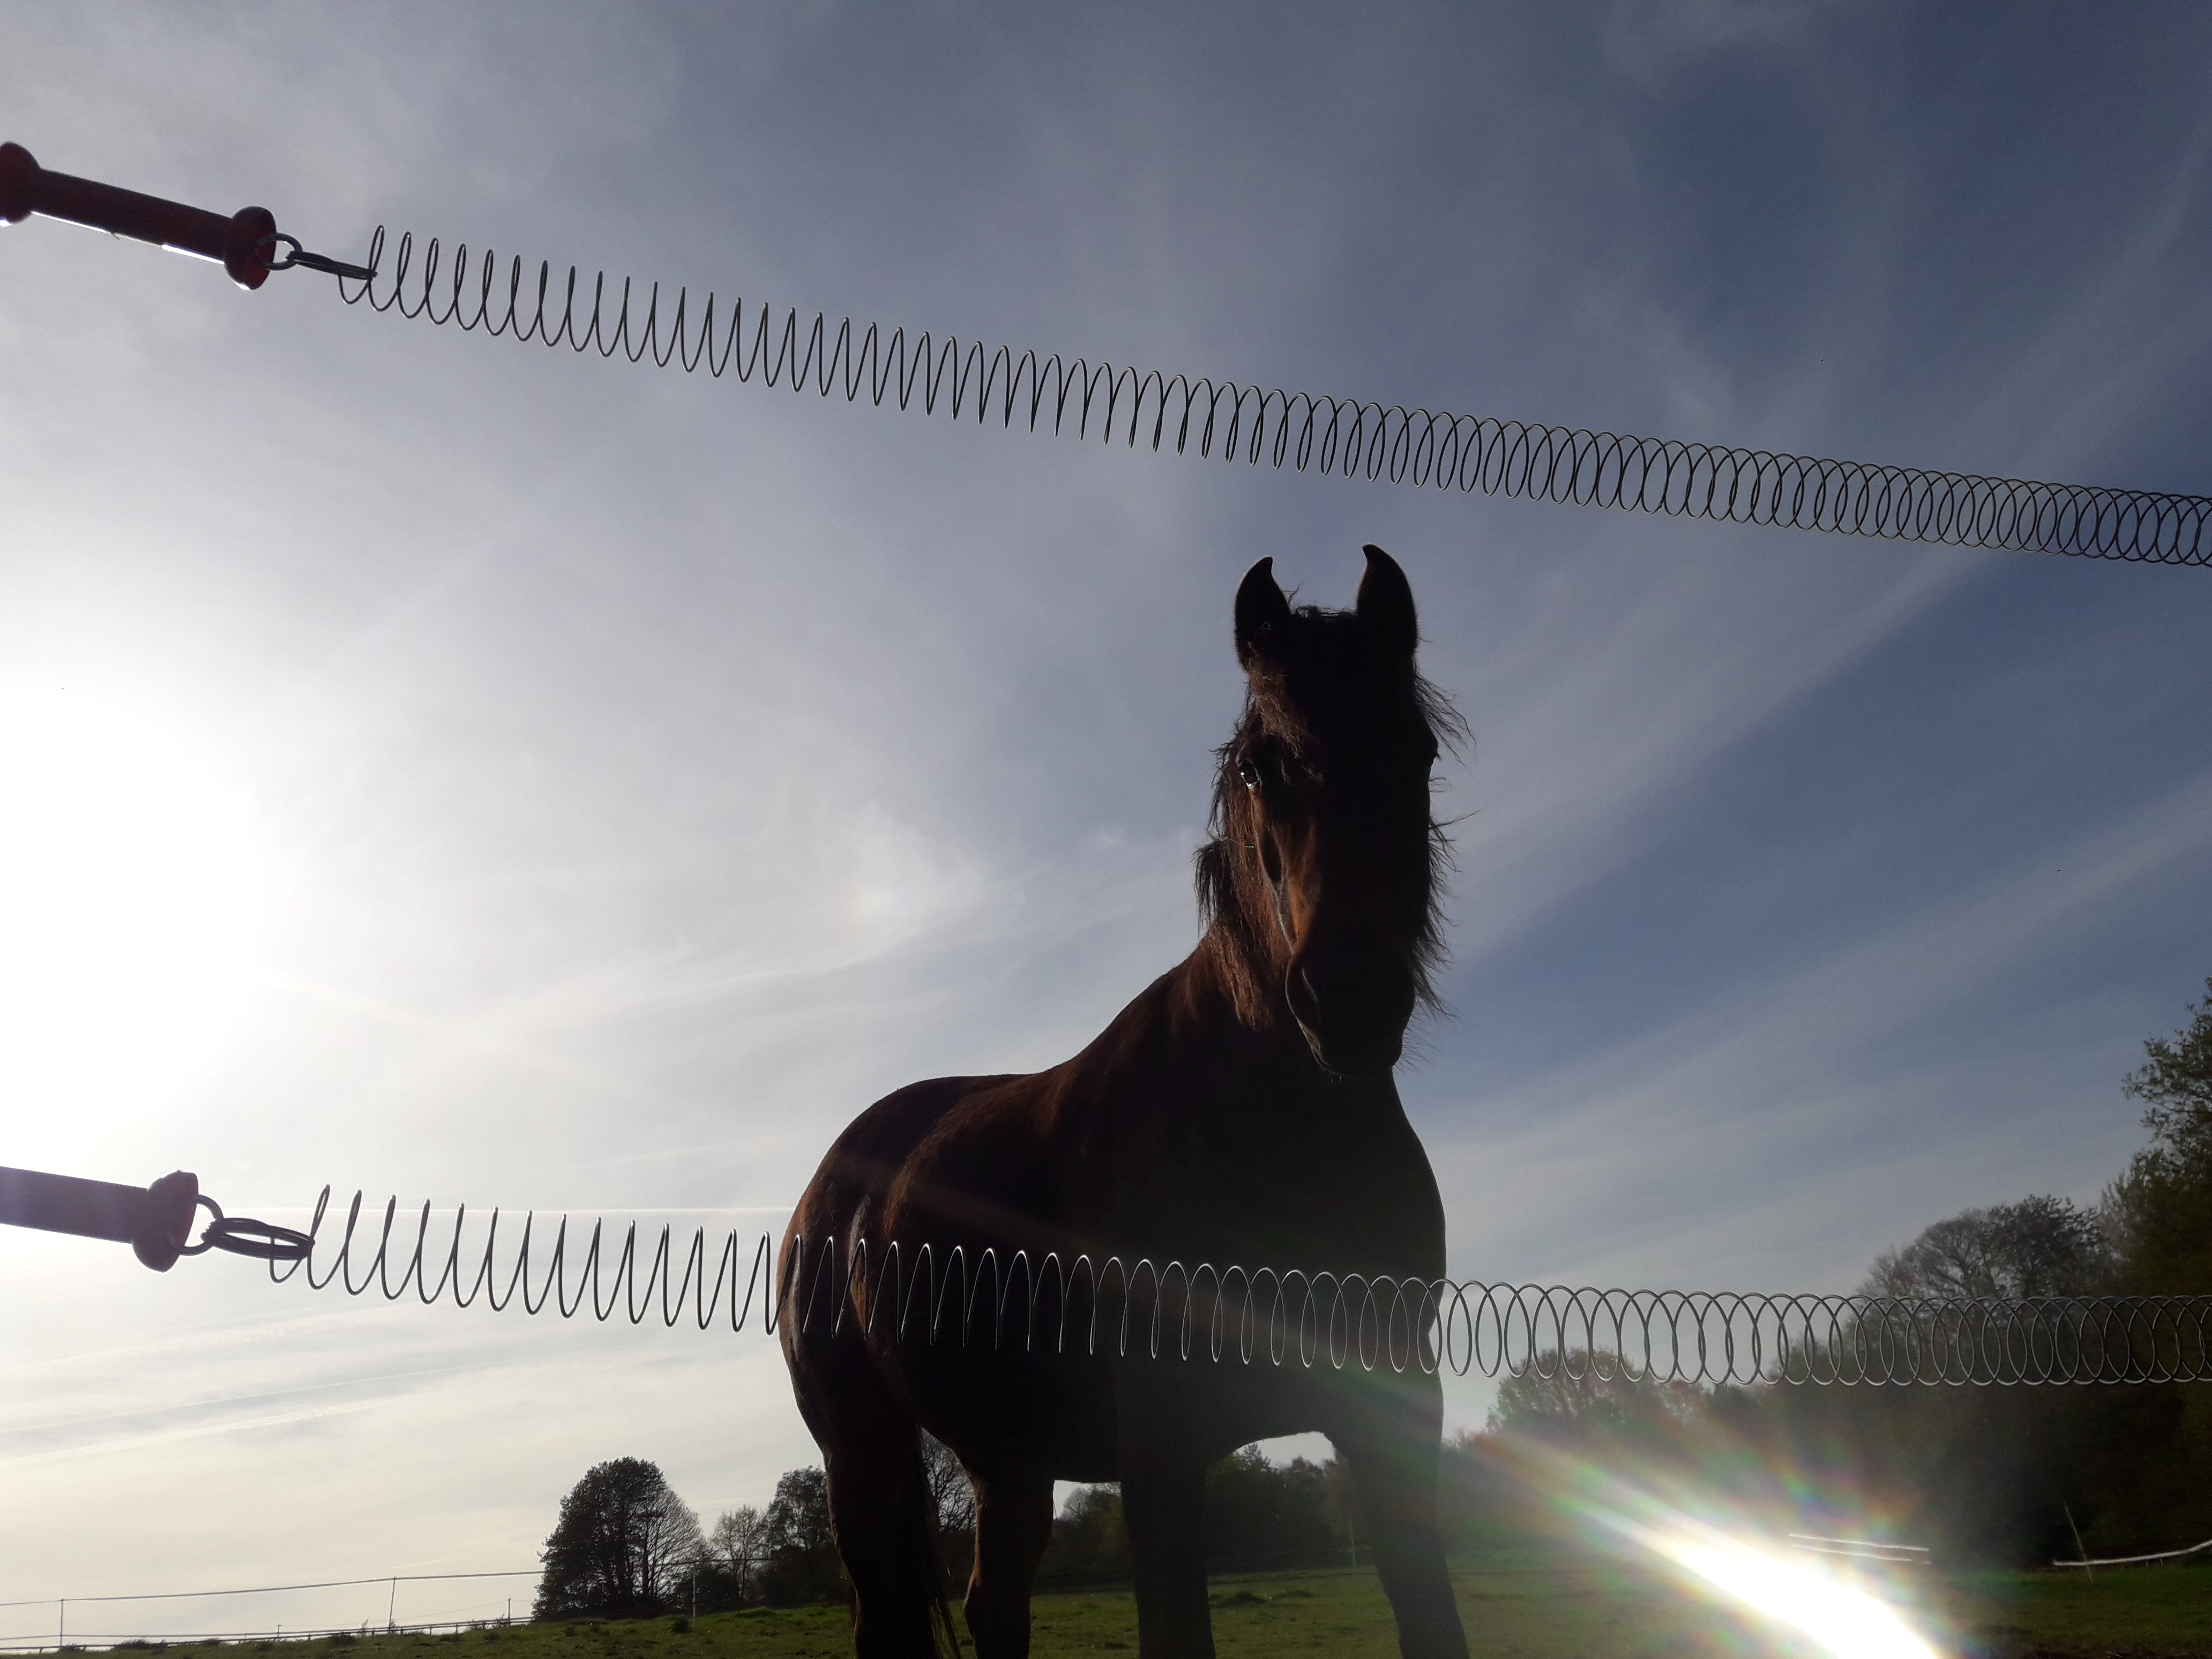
[{"x": 1582, "y": 1610}]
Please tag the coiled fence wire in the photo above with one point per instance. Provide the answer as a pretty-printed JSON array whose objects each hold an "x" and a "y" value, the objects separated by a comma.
[
  {"x": 1127, "y": 1308},
  {"x": 1231, "y": 421}
]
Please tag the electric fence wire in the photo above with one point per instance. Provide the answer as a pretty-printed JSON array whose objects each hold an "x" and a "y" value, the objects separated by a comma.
[
  {"x": 280, "y": 1589},
  {"x": 1232, "y": 420},
  {"x": 61, "y": 1642},
  {"x": 1100, "y": 1307}
]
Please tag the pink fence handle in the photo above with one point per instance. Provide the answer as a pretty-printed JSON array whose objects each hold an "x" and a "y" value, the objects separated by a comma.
[
  {"x": 153, "y": 1221},
  {"x": 237, "y": 244}
]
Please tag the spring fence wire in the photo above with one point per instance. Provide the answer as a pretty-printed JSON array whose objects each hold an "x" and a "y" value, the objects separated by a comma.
[
  {"x": 1124, "y": 1308},
  {"x": 1231, "y": 421}
]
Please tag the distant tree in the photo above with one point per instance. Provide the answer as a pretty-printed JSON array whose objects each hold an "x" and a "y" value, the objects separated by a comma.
[
  {"x": 1989, "y": 1474},
  {"x": 801, "y": 1554},
  {"x": 623, "y": 1546},
  {"x": 1089, "y": 1539},
  {"x": 952, "y": 1500},
  {"x": 2146, "y": 1464},
  {"x": 950, "y": 1495},
  {"x": 1577, "y": 1403},
  {"x": 2041, "y": 1246},
  {"x": 2177, "y": 1081},
  {"x": 735, "y": 1556},
  {"x": 736, "y": 1538},
  {"x": 2010, "y": 1474},
  {"x": 1264, "y": 1514},
  {"x": 787, "y": 1554},
  {"x": 1486, "y": 1496},
  {"x": 1980, "y": 1474},
  {"x": 2160, "y": 1208},
  {"x": 1257, "y": 1514}
]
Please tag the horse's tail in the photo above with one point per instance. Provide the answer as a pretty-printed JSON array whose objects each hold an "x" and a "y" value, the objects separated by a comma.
[{"x": 946, "y": 1633}]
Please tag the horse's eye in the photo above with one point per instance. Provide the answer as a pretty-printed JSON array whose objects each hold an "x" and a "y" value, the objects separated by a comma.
[{"x": 1247, "y": 773}]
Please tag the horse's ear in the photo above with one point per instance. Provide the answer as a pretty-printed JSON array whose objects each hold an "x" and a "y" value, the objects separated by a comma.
[
  {"x": 1386, "y": 602},
  {"x": 1261, "y": 609}
]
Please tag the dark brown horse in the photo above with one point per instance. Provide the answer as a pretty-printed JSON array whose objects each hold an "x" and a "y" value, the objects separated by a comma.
[{"x": 1240, "y": 1110}]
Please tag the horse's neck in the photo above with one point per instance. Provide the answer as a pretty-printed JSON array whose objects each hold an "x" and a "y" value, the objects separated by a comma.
[
  {"x": 1229, "y": 1139},
  {"x": 1249, "y": 1035}
]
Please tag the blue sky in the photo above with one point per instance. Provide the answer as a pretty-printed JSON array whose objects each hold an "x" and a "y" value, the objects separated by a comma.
[{"x": 483, "y": 775}]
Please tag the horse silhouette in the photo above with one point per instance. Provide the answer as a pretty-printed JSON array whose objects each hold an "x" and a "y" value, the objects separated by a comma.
[{"x": 1241, "y": 1109}]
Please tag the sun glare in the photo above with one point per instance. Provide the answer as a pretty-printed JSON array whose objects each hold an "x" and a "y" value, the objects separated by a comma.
[
  {"x": 1842, "y": 1617},
  {"x": 131, "y": 893},
  {"x": 1811, "y": 1595}
]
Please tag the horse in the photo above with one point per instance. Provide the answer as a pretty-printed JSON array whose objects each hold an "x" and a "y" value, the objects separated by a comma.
[{"x": 1241, "y": 1109}]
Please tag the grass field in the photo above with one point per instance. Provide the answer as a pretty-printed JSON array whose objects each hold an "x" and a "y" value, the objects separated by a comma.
[{"x": 1585, "y": 1610}]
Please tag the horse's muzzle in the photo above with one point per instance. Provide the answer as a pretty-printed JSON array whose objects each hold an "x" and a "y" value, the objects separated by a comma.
[{"x": 1354, "y": 1021}]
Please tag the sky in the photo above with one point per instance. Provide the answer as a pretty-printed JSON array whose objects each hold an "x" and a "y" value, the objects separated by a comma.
[{"x": 465, "y": 772}]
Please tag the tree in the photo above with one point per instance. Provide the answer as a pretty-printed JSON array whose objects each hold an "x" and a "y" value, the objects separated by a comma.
[
  {"x": 951, "y": 1498},
  {"x": 1983, "y": 1474},
  {"x": 1257, "y": 1514},
  {"x": 952, "y": 1501},
  {"x": 2150, "y": 1477},
  {"x": 1576, "y": 1405},
  {"x": 2177, "y": 1081},
  {"x": 1260, "y": 1513},
  {"x": 736, "y": 1538},
  {"x": 787, "y": 1554},
  {"x": 2160, "y": 1208},
  {"x": 624, "y": 1545},
  {"x": 1488, "y": 1495},
  {"x": 2041, "y": 1246},
  {"x": 802, "y": 1563},
  {"x": 735, "y": 1556},
  {"x": 1089, "y": 1539}
]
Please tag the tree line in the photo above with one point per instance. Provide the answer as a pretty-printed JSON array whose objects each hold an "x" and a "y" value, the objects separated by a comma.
[
  {"x": 1999, "y": 1474},
  {"x": 2014, "y": 1475},
  {"x": 626, "y": 1547}
]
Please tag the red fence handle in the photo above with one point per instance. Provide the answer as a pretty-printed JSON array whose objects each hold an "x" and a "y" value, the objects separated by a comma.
[
  {"x": 153, "y": 1221},
  {"x": 236, "y": 243}
]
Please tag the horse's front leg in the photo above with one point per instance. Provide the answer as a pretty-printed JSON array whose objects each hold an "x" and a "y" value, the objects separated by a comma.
[
  {"x": 1390, "y": 1435},
  {"x": 1163, "y": 1503}
]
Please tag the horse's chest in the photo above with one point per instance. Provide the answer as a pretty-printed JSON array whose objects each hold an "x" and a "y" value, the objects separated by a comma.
[{"x": 1344, "y": 1191}]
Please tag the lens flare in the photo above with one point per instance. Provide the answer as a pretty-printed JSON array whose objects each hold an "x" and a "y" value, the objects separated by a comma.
[
  {"x": 1842, "y": 1617},
  {"x": 1817, "y": 1596}
]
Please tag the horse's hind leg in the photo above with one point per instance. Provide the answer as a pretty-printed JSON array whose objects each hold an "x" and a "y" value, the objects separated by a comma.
[
  {"x": 879, "y": 1509},
  {"x": 1391, "y": 1439},
  {"x": 1013, "y": 1524}
]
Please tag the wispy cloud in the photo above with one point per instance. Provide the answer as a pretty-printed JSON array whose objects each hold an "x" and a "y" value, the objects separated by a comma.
[{"x": 649, "y": 772}]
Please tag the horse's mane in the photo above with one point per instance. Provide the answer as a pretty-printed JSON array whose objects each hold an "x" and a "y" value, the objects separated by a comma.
[{"x": 1234, "y": 905}]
